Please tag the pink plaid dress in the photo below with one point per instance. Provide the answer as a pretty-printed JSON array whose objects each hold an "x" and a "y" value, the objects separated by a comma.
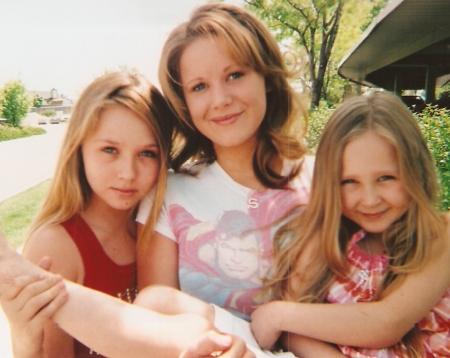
[{"x": 360, "y": 284}]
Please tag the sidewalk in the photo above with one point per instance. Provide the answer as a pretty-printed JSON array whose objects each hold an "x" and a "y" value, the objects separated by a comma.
[{"x": 25, "y": 163}]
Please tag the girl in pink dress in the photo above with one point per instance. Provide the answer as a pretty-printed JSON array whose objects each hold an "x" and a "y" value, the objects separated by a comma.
[{"x": 370, "y": 240}]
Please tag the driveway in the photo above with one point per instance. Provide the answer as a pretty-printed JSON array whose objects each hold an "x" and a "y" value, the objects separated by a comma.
[
  {"x": 24, "y": 163},
  {"x": 29, "y": 161}
]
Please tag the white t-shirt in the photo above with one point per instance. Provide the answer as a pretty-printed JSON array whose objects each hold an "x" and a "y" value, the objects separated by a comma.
[{"x": 224, "y": 232}]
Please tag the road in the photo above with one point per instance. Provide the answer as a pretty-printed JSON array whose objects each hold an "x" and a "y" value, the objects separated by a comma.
[
  {"x": 29, "y": 161},
  {"x": 24, "y": 163}
]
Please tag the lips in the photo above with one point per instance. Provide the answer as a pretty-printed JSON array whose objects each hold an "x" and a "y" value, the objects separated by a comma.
[
  {"x": 373, "y": 216},
  {"x": 124, "y": 192},
  {"x": 227, "y": 119}
]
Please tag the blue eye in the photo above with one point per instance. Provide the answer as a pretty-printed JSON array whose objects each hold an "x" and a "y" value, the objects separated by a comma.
[
  {"x": 149, "y": 154},
  {"x": 199, "y": 87},
  {"x": 236, "y": 75},
  {"x": 348, "y": 181},
  {"x": 110, "y": 150},
  {"x": 386, "y": 177}
]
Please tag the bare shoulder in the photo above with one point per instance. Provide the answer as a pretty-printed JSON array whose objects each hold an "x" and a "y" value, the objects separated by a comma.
[{"x": 53, "y": 241}]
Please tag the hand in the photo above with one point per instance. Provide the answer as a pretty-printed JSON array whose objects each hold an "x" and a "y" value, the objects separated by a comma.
[
  {"x": 264, "y": 325},
  {"x": 214, "y": 344},
  {"x": 29, "y": 302}
]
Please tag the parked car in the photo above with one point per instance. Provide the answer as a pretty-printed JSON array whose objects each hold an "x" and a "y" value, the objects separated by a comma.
[
  {"x": 42, "y": 120},
  {"x": 53, "y": 120}
]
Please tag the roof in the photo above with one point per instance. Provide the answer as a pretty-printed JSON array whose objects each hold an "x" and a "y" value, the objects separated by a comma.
[{"x": 407, "y": 37}]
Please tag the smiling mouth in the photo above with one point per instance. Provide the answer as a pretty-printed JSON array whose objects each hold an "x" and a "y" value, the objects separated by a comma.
[
  {"x": 374, "y": 216},
  {"x": 227, "y": 119}
]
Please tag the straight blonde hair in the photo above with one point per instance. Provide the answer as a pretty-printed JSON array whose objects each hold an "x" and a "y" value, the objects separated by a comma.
[
  {"x": 407, "y": 242},
  {"x": 69, "y": 191}
]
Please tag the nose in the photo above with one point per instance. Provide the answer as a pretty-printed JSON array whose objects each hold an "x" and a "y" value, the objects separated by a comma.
[
  {"x": 221, "y": 96},
  {"x": 127, "y": 168},
  {"x": 370, "y": 195}
]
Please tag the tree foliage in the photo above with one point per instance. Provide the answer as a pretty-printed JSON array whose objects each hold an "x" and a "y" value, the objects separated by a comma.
[
  {"x": 14, "y": 102},
  {"x": 321, "y": 32},
  {"x": 310, "y": 24},
  {"x": 38, "y": 101}
]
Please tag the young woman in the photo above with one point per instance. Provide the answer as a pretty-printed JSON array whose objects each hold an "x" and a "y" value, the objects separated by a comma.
[
  {"x": 240, "y": 131},
  {"x": 370, "y": 240}
]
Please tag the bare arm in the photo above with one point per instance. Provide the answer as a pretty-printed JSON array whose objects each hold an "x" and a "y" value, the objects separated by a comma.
[
  {"x": 304, "y": 347},
  {"x": 158, "y": 262},
  {"x": 66, "y": 261},
  {"x": 372, "y": 325},
  {"x": 115, "y": 328},
  {"x": 29, "y": 302}
]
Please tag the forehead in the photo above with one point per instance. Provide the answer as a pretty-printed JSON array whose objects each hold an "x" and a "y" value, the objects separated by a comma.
[
  {"x": 208, "y": 50},
  {"x": 369, "y": 152}
]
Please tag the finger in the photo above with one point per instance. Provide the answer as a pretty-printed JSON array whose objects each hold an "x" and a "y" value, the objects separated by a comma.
[
  {"x": 238, "y": 349},
  {"x": 45, "y": 263},
  {"x": 15, "y": 286},
  {"x": 51, "y": 307},
  {"x": 210, "y": 344},
  {"x": 41, "y": 294},
  {"x": 28, "y": 296}
]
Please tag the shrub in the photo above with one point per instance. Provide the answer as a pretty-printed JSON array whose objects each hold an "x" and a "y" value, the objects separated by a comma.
[
  {"x": 8, "y": 132},
  {"x": 14, "y": 102},
  {"x": 435, "y": 125},
  {"x": 48, "y": 113},
  {"x": 317, "y": 117}
]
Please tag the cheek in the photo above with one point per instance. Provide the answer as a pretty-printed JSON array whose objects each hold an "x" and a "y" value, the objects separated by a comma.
[{"x": 346, "y": 200}]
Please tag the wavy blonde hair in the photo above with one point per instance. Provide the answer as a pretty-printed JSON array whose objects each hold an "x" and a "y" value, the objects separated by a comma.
[
  {"x": 407, "y": 242},
  {"x": 69, "y": 191},
  {"x": 251, "y": 44}
]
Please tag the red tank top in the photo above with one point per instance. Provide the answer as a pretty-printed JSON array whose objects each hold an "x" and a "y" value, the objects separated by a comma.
[{"x": 100, "y": 272}]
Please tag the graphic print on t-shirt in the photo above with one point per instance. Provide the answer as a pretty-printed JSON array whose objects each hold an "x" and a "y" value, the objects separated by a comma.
[{"x": 223, "y": 261}]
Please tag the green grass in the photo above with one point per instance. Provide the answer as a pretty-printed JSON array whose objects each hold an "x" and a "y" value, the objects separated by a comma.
[
  {"x": 17, "y": 213},
  {"x": 8, "y": 132}
]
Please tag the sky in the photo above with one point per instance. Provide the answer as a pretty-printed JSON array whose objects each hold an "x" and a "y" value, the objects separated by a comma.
[{"x": 65, "y": 44}]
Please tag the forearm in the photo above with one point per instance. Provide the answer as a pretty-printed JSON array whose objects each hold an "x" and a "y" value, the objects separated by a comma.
[
  {"x": 304, "y": 347},
  {"x": 362, "y": 324},
  {"x": 117, "y": 329}
]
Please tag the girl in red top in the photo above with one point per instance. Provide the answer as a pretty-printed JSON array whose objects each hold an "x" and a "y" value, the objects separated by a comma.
[{"x": 113, "y": 154}]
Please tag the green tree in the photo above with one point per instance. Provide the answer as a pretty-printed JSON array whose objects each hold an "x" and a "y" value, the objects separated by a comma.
[
  {"x": 310, "y": 24},
  {"x": 323, "y": 31},
  {"x": 37, "y": 101},
  {"x": 356, "y": 18},
  {"x": 14, "y": 102}
]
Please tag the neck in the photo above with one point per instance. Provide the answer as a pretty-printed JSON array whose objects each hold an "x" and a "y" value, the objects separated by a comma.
[
  {"x": 106, "y": 222},
  {"x": 238, "y": 164}
]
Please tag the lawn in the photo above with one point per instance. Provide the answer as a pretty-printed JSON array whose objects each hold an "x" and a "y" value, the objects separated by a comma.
[{"x": 17, "y": 213}]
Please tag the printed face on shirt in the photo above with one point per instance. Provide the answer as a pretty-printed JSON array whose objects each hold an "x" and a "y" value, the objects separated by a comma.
[
  {"x": 372, "y": 192},
  {"x": 226, "y": 100},
  {"x": 238, "y": 257},
  {"x": 121, "y": 159}
]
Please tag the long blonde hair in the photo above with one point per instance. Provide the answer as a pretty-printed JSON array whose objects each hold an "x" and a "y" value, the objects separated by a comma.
[
  {"x": 69, "y": 191},
  {"x": 407, "y": 242},
  {"x": 251, "y": 44}
]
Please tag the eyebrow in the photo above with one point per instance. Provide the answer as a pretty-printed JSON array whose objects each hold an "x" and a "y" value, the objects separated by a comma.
[{"x": 153, "y": 144}]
